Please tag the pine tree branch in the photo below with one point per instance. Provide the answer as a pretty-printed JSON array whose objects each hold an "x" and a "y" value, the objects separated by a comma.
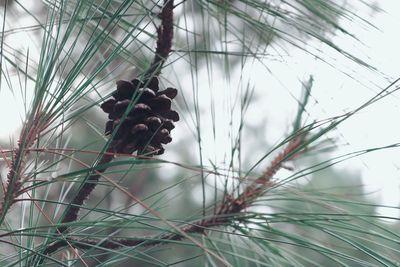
[
  {"x": 163, "y": 48},
  {"x": 72, "y": 211},
  {"x": 231, "y": 209},
  {"x": 29, "y": 134},
  {"x": 164, "y": 41},
  {"x": 165, "y": 34}
]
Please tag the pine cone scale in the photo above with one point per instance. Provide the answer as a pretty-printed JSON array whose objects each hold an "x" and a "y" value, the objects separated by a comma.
[{"x": 150, "y": 121}]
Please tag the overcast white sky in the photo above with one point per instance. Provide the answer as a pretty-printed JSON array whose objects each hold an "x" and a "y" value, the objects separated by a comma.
[{"x": 336, "y": 93}]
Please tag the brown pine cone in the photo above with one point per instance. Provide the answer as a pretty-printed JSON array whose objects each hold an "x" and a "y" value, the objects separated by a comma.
[{"x": 148, "y": 124}]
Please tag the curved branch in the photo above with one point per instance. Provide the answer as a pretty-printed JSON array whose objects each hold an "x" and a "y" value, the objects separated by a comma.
[{"x": 227, "y": 212}]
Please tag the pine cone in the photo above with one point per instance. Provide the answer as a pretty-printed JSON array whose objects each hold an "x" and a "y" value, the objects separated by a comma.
[{"x": 149, "y": 122}]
